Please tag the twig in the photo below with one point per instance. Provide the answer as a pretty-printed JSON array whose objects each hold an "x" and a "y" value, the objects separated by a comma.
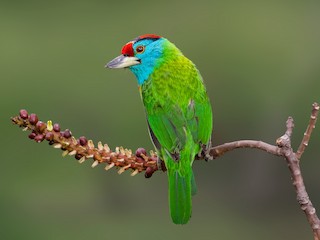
[
  {"x": 312, "y": 124},
  {"x": 84, "y": 149}
]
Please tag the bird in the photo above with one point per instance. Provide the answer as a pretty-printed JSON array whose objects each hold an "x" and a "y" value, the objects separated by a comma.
[{"x": 178, "y": 112}]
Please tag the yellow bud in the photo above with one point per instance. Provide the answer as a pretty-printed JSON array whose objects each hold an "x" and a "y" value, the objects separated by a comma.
[{"x": 49, "y": 125}]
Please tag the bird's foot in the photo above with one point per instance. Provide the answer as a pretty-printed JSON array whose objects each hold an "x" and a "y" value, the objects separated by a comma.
[
  {"x": 205, "y": 152},
  {"x": 160, "y": 164}
]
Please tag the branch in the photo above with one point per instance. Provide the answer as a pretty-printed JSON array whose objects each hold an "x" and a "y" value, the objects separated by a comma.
[
  {"x": 124, "y": 159},
  {"x": 83, "y": 149}
]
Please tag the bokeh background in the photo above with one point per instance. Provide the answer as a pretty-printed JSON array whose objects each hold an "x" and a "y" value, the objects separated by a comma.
[{"x": 260, "y": 61}]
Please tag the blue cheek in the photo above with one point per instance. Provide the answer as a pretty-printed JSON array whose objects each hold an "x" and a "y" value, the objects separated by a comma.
[
  {"x": 149, "y": 60},
  {"x": 142, "y": 72}
]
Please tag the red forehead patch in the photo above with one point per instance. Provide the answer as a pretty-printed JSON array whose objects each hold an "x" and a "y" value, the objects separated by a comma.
[
  {"x": 153, "y": 36},
  {"x": 128, "y": 49}
]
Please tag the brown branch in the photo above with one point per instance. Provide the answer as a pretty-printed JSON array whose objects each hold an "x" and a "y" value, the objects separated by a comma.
[
  {"x": 218, "y": 151},
  {"x": 84, "y": 149},
  {"x": 284, "y": 142}
]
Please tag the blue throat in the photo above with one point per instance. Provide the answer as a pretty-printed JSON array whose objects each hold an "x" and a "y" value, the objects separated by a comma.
[{"x": 150, "y": 59}]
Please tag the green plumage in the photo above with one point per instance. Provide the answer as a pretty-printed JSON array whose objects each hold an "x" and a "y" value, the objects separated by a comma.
[{"x": 180, "y": 120}]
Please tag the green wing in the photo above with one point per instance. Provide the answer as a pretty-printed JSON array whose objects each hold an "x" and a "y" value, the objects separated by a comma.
[
  {"x": 168, "y": 125},
  {"x": 168, "y": 128}
]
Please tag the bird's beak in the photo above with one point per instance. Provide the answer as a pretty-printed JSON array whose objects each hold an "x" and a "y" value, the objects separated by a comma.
[{"x": 123, "y": 62}]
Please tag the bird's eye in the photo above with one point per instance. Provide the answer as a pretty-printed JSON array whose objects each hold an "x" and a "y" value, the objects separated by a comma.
[{"x": 140, "y": 49}]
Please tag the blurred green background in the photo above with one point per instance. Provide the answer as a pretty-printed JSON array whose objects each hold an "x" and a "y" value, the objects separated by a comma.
[{"x": 260, "y": 61}]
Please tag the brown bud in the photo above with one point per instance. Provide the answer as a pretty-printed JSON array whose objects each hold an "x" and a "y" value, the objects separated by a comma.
[
  {"x": 140, "y": 160},
  {"x": 32, "y": 135},
  {"x": 39, "y": 138},
  {"x": 33, "y": 118},
  {"x": 78, "y": 156},
  {"x": 56, "y": 127},
  {"x": 140, "y": 151},
  {"x": 67, "y": 133},
  {"x": 149, "y": 172},
  {"x": 23, "y": 114},
  {"x": 83, "y": 141},
  {"x": 49, "y": 136},
  {"x": 41, "y": 126}
]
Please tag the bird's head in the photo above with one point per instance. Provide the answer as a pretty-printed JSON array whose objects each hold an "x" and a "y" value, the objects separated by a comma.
[{"x": 142, "y": 55}]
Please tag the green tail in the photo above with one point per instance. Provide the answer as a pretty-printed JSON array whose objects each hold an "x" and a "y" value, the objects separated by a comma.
[{"x": 180, "y": 196}]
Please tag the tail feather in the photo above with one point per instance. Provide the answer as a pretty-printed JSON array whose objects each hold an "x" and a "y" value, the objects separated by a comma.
[
  {"x": 180, "y": 196},
  {"x": 181, "y": 181}
]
